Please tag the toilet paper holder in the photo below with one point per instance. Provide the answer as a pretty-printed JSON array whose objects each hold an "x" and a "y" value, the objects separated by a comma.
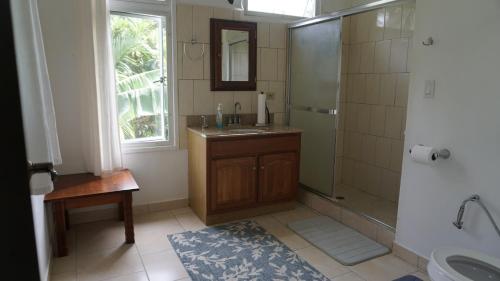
[{"x": 443, "y": 154}]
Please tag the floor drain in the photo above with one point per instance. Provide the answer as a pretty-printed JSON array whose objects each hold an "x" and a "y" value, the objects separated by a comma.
[{"x": 339, "y": 197}]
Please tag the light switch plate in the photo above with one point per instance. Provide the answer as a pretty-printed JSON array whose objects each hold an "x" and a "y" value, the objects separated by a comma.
[{"x": 430, "y": 86}]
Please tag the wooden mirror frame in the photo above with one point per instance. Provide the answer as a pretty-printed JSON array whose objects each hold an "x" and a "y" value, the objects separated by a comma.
[{"x": 216, "y": 27}]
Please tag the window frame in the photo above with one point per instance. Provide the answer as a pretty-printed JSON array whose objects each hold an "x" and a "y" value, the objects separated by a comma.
[
  {"x": 280, "y": 16},
  {"x": 162, "y": 9}
]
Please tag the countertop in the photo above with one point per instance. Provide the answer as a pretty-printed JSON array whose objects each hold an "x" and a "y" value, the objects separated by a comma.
[{"x": 243, "y": 131}]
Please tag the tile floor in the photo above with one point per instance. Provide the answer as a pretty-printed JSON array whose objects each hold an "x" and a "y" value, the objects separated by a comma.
[
  {"x": 374, "y": 206},
  {"x": 97, "y": 252}
]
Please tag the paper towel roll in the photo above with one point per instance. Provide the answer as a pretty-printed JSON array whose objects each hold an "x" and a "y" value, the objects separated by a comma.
[
  {"x": 423, "y": 154},
  {"x": 261, "y": 108}
]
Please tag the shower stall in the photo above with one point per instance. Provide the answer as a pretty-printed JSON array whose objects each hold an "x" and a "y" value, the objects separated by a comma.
[{"x": 348, "y": 76}]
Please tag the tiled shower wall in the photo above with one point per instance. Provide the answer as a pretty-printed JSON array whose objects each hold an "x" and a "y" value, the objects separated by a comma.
[
  {"x": 374, "y": 93},
  {"x": 193, "y": 70}
]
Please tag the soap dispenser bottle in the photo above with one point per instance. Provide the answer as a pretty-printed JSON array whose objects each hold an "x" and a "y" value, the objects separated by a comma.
[{"x": 218, "y": 117}]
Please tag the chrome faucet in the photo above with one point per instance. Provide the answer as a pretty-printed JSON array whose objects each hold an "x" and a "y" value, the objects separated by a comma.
[
  {"x": 236, "y": 117},
  {"x": 474, "y": 198}
]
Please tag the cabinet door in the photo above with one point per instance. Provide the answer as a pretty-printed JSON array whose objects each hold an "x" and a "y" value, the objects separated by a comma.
[
  {"x": 233, "y": 183},
  {"x": 278, "y": 177}
]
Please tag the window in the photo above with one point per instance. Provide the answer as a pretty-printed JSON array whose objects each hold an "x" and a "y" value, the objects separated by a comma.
[
  {"x": 142, "y": 63},
  {"x": 294, "y": 8}
]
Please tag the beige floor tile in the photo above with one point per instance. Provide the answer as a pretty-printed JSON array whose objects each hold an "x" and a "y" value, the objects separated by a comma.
[
  {"x": 322, "y": 262},
  {"x": 138, "y": 276},
  {"x": 384, "y": 268},
  {"x": 65, "y": 264},
  {"x": 164, "y": 266},
  {"x": 159, "y": 222},
  {"x": 98, "y": 236},
  {"x": 109, "y": 263},
  {"x": 298, "y": 213},
  {"x": 267, "y": 221},
  {"x": 152, "y": 243},
  {"x": 288, "y": 237},
  {"x": 68, "y": 276},
  {"x": 421, "y": 275},
  {"x": 189, "y": 221},
  {"x": 351, "y": 276}
]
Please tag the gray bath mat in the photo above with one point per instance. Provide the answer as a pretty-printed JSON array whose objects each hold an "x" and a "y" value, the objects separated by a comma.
[{"x": 342, "y": 243}]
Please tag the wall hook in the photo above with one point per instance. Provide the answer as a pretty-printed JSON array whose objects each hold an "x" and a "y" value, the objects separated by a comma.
[{"x": 428, "y": 42}]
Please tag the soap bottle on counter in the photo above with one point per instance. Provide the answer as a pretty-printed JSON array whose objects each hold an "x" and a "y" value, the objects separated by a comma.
[{"x": 218, "y": 117}]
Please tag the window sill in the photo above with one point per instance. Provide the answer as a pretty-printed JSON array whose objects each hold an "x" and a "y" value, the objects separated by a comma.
[{"x": 128, "y": 148}]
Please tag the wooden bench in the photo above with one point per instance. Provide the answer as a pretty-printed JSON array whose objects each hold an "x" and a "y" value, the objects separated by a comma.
[{"x": 85, "y": 190}]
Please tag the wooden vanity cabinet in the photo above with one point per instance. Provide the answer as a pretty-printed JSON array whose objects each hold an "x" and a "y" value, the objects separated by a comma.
[{"x": 236, "y": 177}]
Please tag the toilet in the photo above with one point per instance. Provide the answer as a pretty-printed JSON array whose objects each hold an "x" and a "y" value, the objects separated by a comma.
[{"x": 456, "y": 264}]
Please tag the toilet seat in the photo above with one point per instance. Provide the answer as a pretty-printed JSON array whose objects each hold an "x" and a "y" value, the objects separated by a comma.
[{"x": 440, "y": 270}]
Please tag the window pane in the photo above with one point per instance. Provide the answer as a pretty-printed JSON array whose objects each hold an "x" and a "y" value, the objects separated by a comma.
[
  {"x": 138, "y": 46},
  {"x": 297, "y": 8}
]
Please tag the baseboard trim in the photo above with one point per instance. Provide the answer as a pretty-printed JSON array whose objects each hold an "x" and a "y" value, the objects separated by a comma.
[
  {"x": 410, "y": 257},
  {"x": 111, "y": 212}
]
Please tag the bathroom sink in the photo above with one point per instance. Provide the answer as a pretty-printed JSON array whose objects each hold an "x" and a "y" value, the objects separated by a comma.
[{"x": 247, "y": 131}]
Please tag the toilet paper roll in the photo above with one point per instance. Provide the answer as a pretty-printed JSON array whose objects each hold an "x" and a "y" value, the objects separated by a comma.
[
  {"x": 423, "y": 154},
  {"x": 261, "y": 108}
]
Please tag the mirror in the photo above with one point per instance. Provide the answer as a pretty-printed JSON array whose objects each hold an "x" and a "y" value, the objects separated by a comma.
[
  {"x": 234, "y": 46},
  {"x": 233, "y": 55}
]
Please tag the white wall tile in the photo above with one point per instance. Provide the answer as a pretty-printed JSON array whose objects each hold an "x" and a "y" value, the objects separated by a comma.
[
  {"x": 377, "y": 120},
  {"x": 192, "y": 63},
  {"x": 277, "y": 35},
  {"x": 372, "y": 88},
  {"x": 354, "y": 58},
  {"x": 368, "y": 149},
  {"x": 206, "y": 63},
  {"x": 383, "y": 152},
  {"x": 377, "y": 23},
  {"x": 281, "y": 75},
  {"x": 184, "y": 23},
  {"x": 223, "y": 13},
  {"x": 263, "y": 34},
  {"x": 402, "y": 87},
  {"x": 201, "y": 20},
  {"x": 186, "y": 103},
  {"x": 269, "y": 64},
  {"x": 408, "y": 20},
  {"x": 394, "y": 121},
  {"x": 382, "y": 55},
  {"x": 278, "y": 103},
  {"x": 227, "y": 101},
  {"x": 245, "y": 99},
  {"x": 203, "y": 97},
  {"x": 399, "y": 55},
  {"x": 393, "y": 18},
  {"x": 388, "y": 88},
  {"x": 367, "y": 57},
  {"x": 363, "y": 119}
]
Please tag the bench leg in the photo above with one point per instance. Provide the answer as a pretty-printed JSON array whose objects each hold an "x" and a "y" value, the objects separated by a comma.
[
  {"x": 66, "y": 219},
  {"x": 120, "y": 211},
  {"x": 60, "y": 228},
  {"x": 128, "y": 218}
]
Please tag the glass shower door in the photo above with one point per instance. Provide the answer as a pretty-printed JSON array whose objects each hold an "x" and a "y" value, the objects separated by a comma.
[{"x": 314, "y": 84}]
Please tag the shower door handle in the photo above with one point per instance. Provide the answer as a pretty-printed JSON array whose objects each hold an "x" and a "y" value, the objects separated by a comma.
[{"x": 329, "y": 111}]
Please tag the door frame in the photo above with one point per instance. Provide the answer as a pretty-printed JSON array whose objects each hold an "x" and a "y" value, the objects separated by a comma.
[{"x": 19, "y": 247}]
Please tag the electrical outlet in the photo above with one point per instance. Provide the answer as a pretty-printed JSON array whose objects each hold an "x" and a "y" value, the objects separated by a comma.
[{"x": 270, "y": 95}]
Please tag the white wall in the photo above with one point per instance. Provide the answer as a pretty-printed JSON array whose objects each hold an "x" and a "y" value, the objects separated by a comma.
[
  {"x": 161, "y": 175},
  {"x": 464, "y": 117}
]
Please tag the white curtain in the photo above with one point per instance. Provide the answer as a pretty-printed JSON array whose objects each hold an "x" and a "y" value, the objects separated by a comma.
[
  {"x": 101, "y": 135},
  {"x": 39, "y": 118}
]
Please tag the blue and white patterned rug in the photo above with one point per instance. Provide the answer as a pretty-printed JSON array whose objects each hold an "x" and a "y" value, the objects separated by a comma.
[{"x": 239, "y": 251}]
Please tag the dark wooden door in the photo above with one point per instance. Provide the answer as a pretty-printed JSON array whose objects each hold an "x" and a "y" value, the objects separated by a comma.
[
  {"x": 233, "y": 183},
  {"x": 19, "y": 247},
  {"x": 278, "y": 176}
]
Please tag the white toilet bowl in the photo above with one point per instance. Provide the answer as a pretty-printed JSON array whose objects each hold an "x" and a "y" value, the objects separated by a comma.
[{"x": 455, "y": 264}]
